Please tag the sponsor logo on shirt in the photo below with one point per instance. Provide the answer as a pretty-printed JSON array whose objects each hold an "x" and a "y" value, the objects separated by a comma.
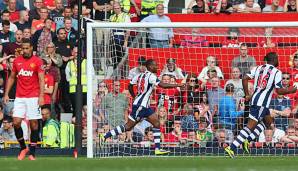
[{"x": 25, "y": 73}]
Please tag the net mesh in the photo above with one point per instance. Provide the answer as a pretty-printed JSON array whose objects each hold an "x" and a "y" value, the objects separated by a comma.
[{"x": 191, "y": 119}]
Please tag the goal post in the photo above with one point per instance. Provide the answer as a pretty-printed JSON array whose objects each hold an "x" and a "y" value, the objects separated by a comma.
[{"x": 190, "y": 54}]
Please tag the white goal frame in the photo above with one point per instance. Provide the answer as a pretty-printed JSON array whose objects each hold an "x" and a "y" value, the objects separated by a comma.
[{"x": 91, "y": 26}]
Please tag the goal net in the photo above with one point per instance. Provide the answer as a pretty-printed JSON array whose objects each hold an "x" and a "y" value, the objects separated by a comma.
[{"x": 196, "y": 120}]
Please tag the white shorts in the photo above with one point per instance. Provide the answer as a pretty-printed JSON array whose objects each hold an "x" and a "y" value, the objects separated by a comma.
[{"x": 26, "y": 108}]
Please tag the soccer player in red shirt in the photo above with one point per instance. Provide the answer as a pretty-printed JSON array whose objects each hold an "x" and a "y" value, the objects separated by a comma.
[
  {"x": 29, "y": 71},
  {"x": 48, "y": 82}
]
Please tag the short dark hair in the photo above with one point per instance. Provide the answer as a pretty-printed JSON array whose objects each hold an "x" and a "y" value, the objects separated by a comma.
[
  {"x": 5, "y": 23},
  {"x": 270, "y": 57},
  {"x": 46, "y": 106},
  {"x": 62, "y": 28},
  {"x": 5, "y": 11},
  {"x": 26, "y": 40},
  {"x": 149, "y": 62},
  {"x": 296, "y": 56}
]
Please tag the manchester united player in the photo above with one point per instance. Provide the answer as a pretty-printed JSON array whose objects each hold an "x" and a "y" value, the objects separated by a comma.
[{"x": 28, "y": 69}]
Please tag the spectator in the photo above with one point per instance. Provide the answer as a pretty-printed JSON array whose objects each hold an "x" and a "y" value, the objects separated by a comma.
[
  {"x": 271, "y": 134},
  {"x": 139, "y": 69},
  {"x": 1, "y": 114},
  {"x": 40, "y": 23},
  {"x": 71, "y": 78},
  {"x": 238, "y": 87},
  {"x": 102, "y": 91},
  {"x": 168, "y": 98},
  {"x": 115, "y": 116},
  {"x": 290, "y": 6},
  {"x": 53, "y": 70},
  {"x": 176, "y": 135},
  {"x": 49, "y": 4},
  {"x": 148, "y": 8},
  {"x": 244, "y": 62},
  {"x": 214, "y": 94},
  {"x": 291, "y": 135},
  {"x": 269, "y": 42},
  {"x": 224, "y": 6},
  {"x": 159, "y": 37},
  {"x": 8, "y": 108},
  {"x": 274, "y": 7},
  {"x": 64, "y": 48},
  {"x": 192, "y": 93},
  {"x": 192, "y": 139},
  {"x": 220, "y": 140},
  {"x": 49, "y": 52},
  {"x": 249, "y": 6},
  {"x": 50, "y": 130},
  {"x": 66, "y": 13},
  {"x": 35, "y": 12},
  {"x": 197, "y": 6},
  {"x": 172, "y": 69},
  {"x": 6, "y": 36},
  {"x": 203, "y": 134},
  {"x": 57, "y": 13},
  {"x": 49, "y": 83},
  {"x": 23, "y": 22},
  {"x": 232, "y": 40},
  {"x": 228, "y": 113},
  {"x": 4, "y": 5},
  {"x": 7, "y": 131},
  {"x": 43, "y": 37},
  {"x": 203, "y": 110},
  {"x": 102, "y": 9},
  {"x": 6, "y": 16},
  {"x": 280, "y": 110},
  {"x": 211, "y": 65},
  {"x": 162, "y": 116},
  {"x": 148, "y": 140},
  {"x": 71, "y": 33},
  {"x": 27, "y": 33},
  {"x": 14, "y": 13},
  {"x": 189, "y": 122},
  {"x": 120, "y": 36},
  {"x": 14, "y": 48}
]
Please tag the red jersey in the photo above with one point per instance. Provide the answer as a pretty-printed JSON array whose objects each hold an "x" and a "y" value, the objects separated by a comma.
[
  {"x": 14, "y": 16},
  {"x": 172, "y": 137},
  {"x": 48, "y": 82},
  {"x": 27, "y": 76},
  {"x": 169, "y": 99}
]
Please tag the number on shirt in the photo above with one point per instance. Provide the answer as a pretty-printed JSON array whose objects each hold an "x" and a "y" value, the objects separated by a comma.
[{"x": 262, "y": 82}]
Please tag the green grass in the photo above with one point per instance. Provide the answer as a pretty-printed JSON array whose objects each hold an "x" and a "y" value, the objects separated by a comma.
[{"x": 152, "y": 164}]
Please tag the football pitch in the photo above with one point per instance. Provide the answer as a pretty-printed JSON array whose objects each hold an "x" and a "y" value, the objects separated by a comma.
[{"x": 152, "y": 164}]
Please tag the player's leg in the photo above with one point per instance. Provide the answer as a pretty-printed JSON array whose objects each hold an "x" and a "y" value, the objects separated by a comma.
[
  {"x": 33, "y": 138},
  {"x": 153, "y": 119},
  {"x": 18, "y": 116},
  {"x": 256, "y": 112},
  {"x": 33, "y": 115},
  {"x": 120, "y": 129}
]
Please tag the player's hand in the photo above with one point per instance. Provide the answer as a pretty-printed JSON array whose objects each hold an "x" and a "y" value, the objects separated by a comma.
[
  {"x": 247, "y": 98},
  {"x": 295, "y": 85},
  {"x": 40, "y": 101},
  {"x": 5, "y": 99}
]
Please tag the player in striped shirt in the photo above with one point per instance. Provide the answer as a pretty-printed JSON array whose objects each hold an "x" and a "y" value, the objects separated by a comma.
[
  {"x": 266, "y": 78},
  {"x": 145, "y": 84}
]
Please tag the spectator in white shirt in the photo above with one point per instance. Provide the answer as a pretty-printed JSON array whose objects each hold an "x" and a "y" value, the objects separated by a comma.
[
  {"x": 272, "y": 134},
  {"x": 172, "y": 69},
  {"x": 249, "y": 6}
]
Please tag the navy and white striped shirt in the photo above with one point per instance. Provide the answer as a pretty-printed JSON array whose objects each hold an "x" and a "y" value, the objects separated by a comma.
[
  {"x": 266, "y": 78},
  {"x": 146, "y": 83}
]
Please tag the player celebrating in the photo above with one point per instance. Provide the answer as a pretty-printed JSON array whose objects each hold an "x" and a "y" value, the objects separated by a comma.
[
  {"x": 145, "y": 83},
  {"x": 266, "y": 78},
  {"x": 28, "y": 69}
]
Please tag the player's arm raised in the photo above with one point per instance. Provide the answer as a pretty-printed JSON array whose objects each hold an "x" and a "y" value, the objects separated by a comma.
[
  {"x": 245, "y": 81},
  {"x": 166, "y": 85},
  {"x": 283, "y": 91},
  {"x": 10, "y": 82}
]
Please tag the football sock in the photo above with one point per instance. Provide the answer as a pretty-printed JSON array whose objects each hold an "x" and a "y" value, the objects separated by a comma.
[
  {"x": 156, "y": 134},
  {"x": 116, "y": 131},
  {"x": 19, "y": 135},
  {"x": 33, "y": 143},
  {"x": 243, "y": 135},
  {"x": 257, "y": 131}
]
